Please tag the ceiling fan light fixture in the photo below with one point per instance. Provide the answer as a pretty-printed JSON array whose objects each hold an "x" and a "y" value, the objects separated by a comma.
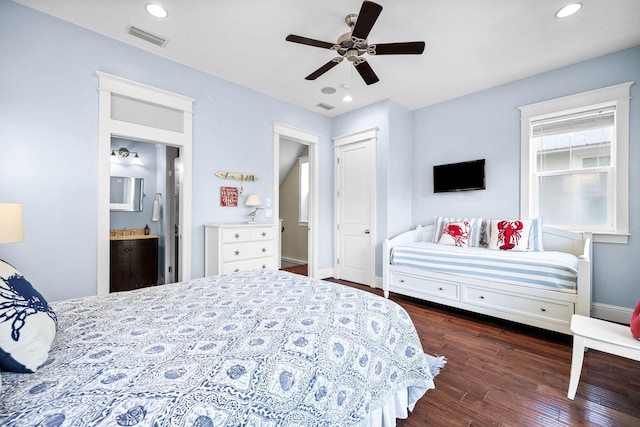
[
  {"x": 156, "y": 10},
  {"x": 568, "y": 10}
]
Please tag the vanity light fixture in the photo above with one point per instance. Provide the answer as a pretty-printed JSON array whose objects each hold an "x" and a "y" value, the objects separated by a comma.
[
  {"x": 568, "y": 10},
  {"x": 123, "y": 153},
  {"x": 156, "y": 10}
]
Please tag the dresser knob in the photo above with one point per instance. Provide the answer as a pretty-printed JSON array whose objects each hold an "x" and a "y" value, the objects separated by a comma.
[
  {"x": 264, "y": 234},
  {"x": 543, "y": 309},
  {"x": 440, "y": 289},
  {"x": 264, "y": 250},
  {"x": 264, "y": 266},
  {"x": 481, "y": 296},
  {"x": 236, "y": 270},
  {"x": 237, "y": 235}
]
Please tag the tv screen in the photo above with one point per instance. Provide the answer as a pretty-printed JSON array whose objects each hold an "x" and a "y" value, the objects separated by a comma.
[{"x": 461, "y": 176}]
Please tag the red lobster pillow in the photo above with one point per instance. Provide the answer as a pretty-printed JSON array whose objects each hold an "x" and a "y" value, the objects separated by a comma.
[
  {"x": 509, "y": 235},
  {"x": 457, "y": 233},
  {"x": 635, "y": 322}
]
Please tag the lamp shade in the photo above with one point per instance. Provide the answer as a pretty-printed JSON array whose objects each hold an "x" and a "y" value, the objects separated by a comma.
[
  {"x": 253, "y": 200},
  {"x": 11, "y": 227}
]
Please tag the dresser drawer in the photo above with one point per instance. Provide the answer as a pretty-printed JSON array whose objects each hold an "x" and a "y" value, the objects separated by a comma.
[
  {"x": 232, "y": 267},
  {"x": 247, "y": 250},
  {"x": 529, "y": 306},
  {"x": 265, "y": 233},
  {"x": 427, "y": 286},
  {"x": 246, "y": 234}
]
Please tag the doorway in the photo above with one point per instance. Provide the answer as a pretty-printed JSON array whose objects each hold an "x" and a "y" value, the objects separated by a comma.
[
  {"x": 286, "y": 135},
  {"x": 130, "y": 110}
]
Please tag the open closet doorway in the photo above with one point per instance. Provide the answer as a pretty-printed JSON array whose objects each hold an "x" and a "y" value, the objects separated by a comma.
[{"x": 296, "y": 150}]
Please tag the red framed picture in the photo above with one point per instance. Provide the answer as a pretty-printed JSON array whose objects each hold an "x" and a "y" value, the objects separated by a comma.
[{"x": 228, "y": 196}]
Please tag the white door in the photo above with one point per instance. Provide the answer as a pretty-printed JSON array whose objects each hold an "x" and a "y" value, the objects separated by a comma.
[{"x": 355, "y": 202}]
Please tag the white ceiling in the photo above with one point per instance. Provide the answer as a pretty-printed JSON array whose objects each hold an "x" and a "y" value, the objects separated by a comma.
[{"x": 470, "y": 44}]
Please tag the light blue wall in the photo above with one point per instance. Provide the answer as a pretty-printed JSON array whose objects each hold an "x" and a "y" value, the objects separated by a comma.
[
  {"x": 487, "y": 125},
  {"x": 49, "y": 143},
  {"x": 48, "y": 146}
]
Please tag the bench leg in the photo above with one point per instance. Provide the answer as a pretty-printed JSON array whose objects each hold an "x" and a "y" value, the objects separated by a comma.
[{"x": 576, "y": 365}]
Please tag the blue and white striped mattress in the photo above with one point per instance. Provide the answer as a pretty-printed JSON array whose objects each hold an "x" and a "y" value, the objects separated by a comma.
[{"x": 543, "y": 269}]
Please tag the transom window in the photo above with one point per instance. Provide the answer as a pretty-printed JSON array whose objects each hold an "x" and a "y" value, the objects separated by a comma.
[{"x": 575, "y": 162}]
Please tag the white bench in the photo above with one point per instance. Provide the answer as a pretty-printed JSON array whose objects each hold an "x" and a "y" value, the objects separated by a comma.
[{"x": 598, "y": 335}]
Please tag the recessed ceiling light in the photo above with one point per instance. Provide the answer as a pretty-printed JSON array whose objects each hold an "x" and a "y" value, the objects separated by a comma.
[
  {"x": 568, "y": 10},
  {"x": 347, "y": 98},
  {"x": 157, "y": 10}
]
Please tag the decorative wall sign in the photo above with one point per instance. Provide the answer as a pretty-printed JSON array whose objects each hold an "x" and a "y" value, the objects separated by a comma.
[
  {"x": 228, "y": 196},
  {"x": 238, "y": 176}
]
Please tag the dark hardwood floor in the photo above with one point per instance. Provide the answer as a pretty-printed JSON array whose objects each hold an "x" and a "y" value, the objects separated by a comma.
[{"x": 503, "y": 374}]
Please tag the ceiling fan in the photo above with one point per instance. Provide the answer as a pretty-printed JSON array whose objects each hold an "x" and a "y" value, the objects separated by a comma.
[{"x": 353, "y": 45}]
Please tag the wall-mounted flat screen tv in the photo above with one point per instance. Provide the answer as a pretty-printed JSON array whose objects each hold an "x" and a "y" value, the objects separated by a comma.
[{"x": 461, "y": 176}]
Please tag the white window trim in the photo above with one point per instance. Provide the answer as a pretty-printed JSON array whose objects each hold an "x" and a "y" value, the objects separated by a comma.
[
  {"x": 618, "y": 96},
  {"x": 301, "y": 222}
]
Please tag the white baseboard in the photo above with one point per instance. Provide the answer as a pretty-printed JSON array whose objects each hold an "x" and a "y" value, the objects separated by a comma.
[
  {"x": 325, "y": 273},
  {"x": 294, "y": 261},
  {"x": 612, "y": 313}
]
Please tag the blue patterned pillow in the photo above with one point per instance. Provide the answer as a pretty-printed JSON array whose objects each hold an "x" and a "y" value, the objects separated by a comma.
[{"x": 27, "y": 323}]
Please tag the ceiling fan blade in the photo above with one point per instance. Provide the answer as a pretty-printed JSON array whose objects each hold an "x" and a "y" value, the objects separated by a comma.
[
  {"x": 366, "y": 72},
  {"x": 310, "y": 42},
  {"x": 405, "y": 48},
  {"x": 326, "y": 67},
  {"x": 368, "y": 15}
]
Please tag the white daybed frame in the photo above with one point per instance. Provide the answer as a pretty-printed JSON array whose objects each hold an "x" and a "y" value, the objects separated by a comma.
[{"x": 543, "y": 308}]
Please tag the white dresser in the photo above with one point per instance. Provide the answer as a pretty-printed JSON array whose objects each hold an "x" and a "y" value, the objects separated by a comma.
[{"x": 234, "y": 247}]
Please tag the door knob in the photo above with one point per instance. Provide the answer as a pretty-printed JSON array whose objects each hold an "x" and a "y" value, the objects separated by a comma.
[{"x": 366, "y": 231}]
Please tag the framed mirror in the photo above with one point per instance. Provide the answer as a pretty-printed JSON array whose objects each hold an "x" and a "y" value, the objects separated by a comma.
[{"x": 126, "y": 194}]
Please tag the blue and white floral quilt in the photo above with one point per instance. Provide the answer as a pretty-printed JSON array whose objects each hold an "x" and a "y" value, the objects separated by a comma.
[{"x": 260, "y": 348}]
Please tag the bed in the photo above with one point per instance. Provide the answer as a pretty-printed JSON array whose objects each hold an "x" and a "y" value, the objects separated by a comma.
[
  {"x": 541, "y": 288},
  {"x": 259, "y": 348}
]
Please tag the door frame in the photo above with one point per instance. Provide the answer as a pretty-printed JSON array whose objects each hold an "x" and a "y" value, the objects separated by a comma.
[
  {"x": 369, "y": 136},
  {"x": 108, "y": 127},
  {"x": 311, "y": 140}
]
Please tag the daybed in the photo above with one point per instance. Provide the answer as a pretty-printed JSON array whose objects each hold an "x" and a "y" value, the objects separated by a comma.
[
  {"x": 263, "y": 347},
  {"x": 507, "y": 287}
]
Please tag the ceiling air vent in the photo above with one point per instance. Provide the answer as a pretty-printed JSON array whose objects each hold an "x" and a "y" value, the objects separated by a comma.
[
  {"x": 325, "y": 106},
  {"x": 146, "y": 35}
]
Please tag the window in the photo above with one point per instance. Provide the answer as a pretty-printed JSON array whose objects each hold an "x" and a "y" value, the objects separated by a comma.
[
  {"x": 575, "y": 162},
  {"x": 303, "y": 168}
]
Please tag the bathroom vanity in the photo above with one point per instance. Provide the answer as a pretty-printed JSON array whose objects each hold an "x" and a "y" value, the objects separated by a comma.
[{"x": 134, "y": 260}]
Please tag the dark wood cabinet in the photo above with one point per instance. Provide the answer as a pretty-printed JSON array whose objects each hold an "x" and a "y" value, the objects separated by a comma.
[{"x": 134, "y": 264}]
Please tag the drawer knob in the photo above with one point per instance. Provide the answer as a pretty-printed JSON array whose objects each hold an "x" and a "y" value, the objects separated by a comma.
[
  {"x": 440, "y": 289},
  {"x": 543, "y": 309},
  {"x": 236, "y": 270},
  {"x": 237, "y": 252},
  {"x": 237, "y": 235},
  {"x": 481, "y": 296},
  {"x": 264, "y": 234},
  {"x": 264, "y": 266},
  {"x": 264, "y": 250},
  {"x": 401, "y": 280}
]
